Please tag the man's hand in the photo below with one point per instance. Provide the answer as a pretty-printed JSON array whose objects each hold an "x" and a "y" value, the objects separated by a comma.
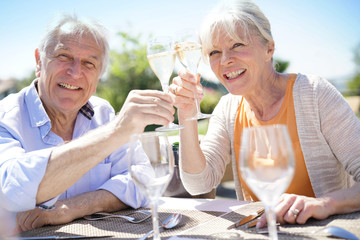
[
  {"x": 67, "y": 210},
  {"x": 38, "y": 217},
  {"x": 145, "y": 107}
]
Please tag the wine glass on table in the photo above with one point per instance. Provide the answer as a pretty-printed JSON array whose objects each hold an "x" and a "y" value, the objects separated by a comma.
[
  {"x": 188, "y": 51},
  {"x": 267, "y": 166},
  {"x": 153, "y": 174},
  {"x": 161, "y": 56}
]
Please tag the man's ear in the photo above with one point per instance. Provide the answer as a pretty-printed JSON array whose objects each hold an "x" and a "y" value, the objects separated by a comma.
[{"x": 38, "y": 63}]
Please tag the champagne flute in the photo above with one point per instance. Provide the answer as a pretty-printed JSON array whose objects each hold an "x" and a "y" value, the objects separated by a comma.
[
  {"x": 153, "y": 175},
  {"x": 267, "y": 166},
  {"x": 161, "y": 56},
  {"x": 188, "y": 50}
]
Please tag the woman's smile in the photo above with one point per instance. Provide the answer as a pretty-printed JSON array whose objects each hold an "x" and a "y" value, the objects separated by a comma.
[{"x": 234, "y": 74}]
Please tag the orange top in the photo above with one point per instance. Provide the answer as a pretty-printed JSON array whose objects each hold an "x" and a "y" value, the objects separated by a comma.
[{"x": 245, "y": 118}]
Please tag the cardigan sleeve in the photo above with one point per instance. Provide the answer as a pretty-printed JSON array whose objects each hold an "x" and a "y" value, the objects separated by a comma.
[
  {"x": 340, "y": 127},
  {"x": 328, "y": 130},
  {"x": 216, "y": 146}
]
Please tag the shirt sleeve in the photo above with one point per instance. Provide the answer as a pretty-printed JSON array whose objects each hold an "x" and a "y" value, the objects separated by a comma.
[
  {"x": 20, "y": 174},
  {"x": 120, "y": 183}
]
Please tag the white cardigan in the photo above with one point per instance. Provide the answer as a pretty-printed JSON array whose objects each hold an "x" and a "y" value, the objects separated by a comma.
[{"x": 328, "y": 130}]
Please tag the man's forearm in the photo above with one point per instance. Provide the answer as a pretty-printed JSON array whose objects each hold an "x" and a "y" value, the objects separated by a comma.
[
  {"x": 89, "y": 203},
  {"x": 69, "y": 162},
  {"x": 68, "y": 210}
]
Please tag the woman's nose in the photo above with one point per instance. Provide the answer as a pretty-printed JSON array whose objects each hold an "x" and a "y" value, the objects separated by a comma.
[{"x": 226, "y": 58}]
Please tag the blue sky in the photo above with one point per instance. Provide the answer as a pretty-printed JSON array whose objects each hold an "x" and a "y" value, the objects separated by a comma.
[{"x": 316, "y": 36}]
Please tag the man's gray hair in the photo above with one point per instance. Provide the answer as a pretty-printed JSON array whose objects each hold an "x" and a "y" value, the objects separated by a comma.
[{"x": 73, "y": 26}]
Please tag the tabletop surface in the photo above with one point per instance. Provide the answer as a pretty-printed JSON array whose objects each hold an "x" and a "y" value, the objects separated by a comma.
[{"x": 202, "y": 219}]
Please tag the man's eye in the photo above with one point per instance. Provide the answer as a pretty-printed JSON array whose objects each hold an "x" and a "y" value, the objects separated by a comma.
[
  {"x": 63, "y": 57},
  {"x": 213, "y": 52},
  {"x": 89, "y": 65}
]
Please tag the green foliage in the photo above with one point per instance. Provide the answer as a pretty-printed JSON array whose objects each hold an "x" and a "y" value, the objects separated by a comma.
[
  {"x": 280, "y": 65},
  {"x": 210, "y": 100},
  {"x": 203, "y": 126},
  {"x": 129, "y": 69}
]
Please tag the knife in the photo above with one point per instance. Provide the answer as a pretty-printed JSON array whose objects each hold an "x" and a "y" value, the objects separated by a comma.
[
  {"x": 249, "y": 218},
  {"x": 58, "y": 237}
]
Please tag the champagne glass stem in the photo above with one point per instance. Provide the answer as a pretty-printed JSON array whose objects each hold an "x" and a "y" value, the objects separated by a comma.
[
  {"x": 165, "y": 87},
  {"x": 197, "y": 104},
  {"x": 155, "y": 219},
  {"x": 170, "y": 126},
  {"x": 271, "y": 221}
]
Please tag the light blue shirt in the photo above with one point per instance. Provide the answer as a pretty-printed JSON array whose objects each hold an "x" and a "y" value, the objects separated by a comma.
[{"x": 26, "y": 143}]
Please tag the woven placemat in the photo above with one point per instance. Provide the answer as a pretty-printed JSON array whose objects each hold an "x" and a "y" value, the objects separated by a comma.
[
  {"x": 121, "y": 229},
  {"x": 198, "y": 225},
  {"x": 223, "y": 227}
]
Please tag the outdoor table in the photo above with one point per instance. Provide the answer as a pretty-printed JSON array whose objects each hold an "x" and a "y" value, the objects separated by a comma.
[{"x": 202, "y": 219}]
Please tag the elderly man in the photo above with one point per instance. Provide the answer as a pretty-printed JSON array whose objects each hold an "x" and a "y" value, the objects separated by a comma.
[{"x": 62, "y": 148}]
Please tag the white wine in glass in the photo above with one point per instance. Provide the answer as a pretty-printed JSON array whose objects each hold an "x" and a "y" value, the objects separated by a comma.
[
  {"x": 267, "y": 166},
  {"x": 153, "y": 174},
  {"x": 188, "y": 50},
  {"x": 161, "y": 57}
]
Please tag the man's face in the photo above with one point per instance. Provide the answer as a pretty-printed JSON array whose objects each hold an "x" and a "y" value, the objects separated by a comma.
[{"x": 69, "y": 74}]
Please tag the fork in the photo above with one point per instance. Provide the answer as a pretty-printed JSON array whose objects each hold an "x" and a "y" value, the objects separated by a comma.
[{"x": 104, "y": 215}]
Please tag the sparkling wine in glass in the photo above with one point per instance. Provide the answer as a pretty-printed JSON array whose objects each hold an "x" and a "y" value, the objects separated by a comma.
[
  {"x": 151, "y": 166},
  {"x": 188, "y": 50},
  {"x": 161, "y": 56},
  {"x": 267, "y": 166}
]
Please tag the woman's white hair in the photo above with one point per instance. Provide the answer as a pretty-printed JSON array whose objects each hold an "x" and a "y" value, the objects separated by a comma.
[
  {"x": 228, "y": 16},
  {"x": 73, "y": 26}
]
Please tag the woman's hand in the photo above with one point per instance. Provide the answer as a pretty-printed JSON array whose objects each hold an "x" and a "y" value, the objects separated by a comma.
[
  {"x": 186, "y": 87},
  {"x": 298, "y": 209}
]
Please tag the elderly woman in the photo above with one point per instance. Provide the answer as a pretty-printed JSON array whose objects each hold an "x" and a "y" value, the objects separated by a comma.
[{"x": 237, "y": 40}]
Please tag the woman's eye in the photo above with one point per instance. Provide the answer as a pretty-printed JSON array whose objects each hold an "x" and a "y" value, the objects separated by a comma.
[
  {"x": 238, "y": 45},
  {"x": 213, "y": 52}
]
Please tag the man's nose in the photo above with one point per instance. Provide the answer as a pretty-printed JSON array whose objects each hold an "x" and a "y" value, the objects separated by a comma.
[{"x": 75, "y": 69}]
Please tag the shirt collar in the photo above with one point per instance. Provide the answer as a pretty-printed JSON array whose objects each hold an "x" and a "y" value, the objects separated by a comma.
[
  {"x": 38, "y": 115},
  {"x": 87, "y": 111}
]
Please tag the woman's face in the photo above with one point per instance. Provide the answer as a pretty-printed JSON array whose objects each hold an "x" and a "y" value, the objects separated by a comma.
[{"x": 240, "y": 65}]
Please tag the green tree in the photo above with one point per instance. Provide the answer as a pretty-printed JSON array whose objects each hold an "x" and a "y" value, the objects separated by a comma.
[
  {"x": 281, "y": 65},
  {"x": 128, "y": 70}
]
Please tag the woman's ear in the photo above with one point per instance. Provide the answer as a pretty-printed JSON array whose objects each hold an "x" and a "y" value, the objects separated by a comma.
[
  {"x": 270, "y": 51},
  {"x": 38, "y": 63}
]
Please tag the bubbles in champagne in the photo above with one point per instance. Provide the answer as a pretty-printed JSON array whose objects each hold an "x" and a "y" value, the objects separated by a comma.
[
  {"x": 162, "y": 65},
  {"x": 189, "y": 54}
]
